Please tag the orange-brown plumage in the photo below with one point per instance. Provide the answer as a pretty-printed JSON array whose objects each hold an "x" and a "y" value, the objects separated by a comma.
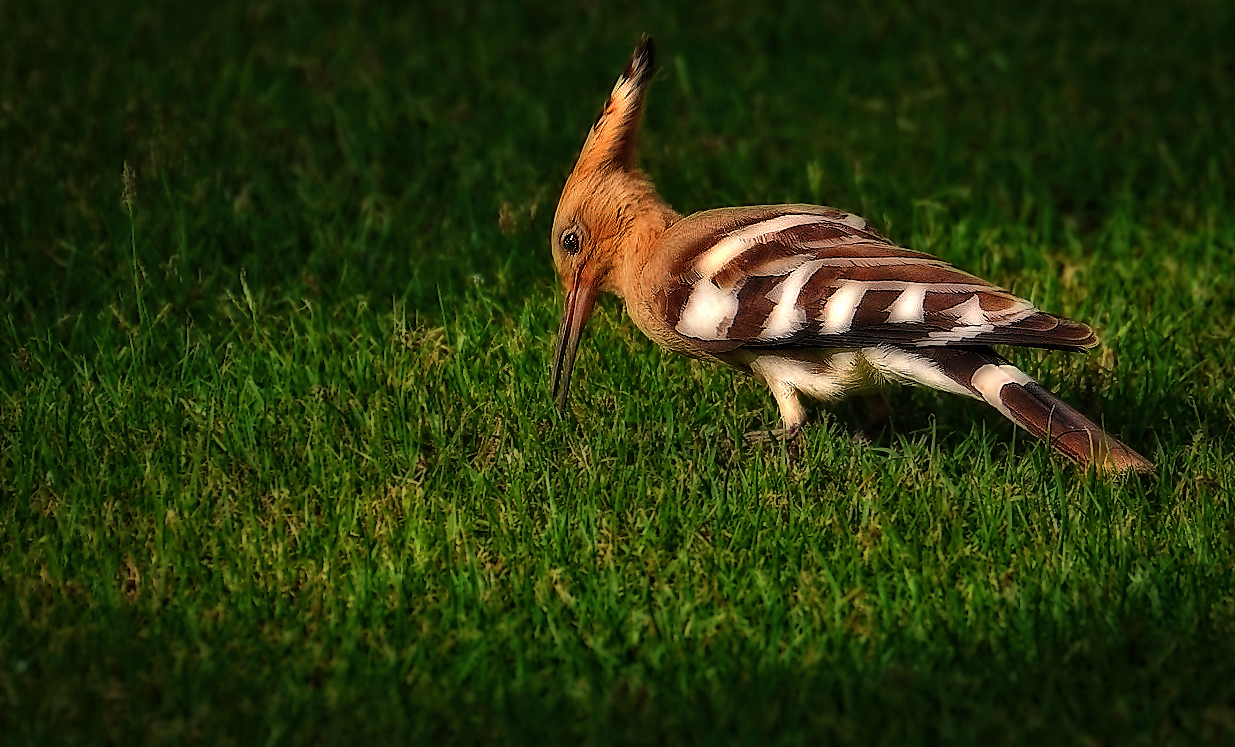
[{"x": 809, "y": 300}]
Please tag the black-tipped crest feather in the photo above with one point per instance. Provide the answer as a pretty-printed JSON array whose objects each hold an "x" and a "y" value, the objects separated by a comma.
[
  {"x": 611, "y": 141},
  {"x": 642, "y": 61}
]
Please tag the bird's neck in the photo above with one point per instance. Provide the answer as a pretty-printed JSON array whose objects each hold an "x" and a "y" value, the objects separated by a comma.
[{"x": 648, "y": 218}]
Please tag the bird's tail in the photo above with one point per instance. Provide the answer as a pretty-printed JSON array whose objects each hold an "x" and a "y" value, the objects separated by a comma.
[{"x": 1027, "y": 403}]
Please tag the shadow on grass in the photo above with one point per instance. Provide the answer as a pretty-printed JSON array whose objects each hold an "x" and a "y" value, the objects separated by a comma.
[{"x": 1139, "y": 685}]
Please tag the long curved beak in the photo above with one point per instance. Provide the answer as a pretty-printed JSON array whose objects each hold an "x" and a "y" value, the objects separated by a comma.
[{"x": 579, "y": 303}]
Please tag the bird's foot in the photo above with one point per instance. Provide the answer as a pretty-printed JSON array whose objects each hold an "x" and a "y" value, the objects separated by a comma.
[
  {"x": 790, "y": 437},
  {"x": 785, "y": 435}
]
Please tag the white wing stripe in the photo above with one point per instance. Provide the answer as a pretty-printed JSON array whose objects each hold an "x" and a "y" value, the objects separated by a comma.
[
  {"x": 969, "y": 313},
  {"x": 709, "y": 312},
  {"x": 956, "y": 334},
  {"x": 781, "y": 266},
  {"x": 722, "y": 253},
  {"x": 910, "y": 306},
  {"x": 841, "y": 306},
  {"x": 727, "y": 249},
  {"x": 787, "y": 317}
]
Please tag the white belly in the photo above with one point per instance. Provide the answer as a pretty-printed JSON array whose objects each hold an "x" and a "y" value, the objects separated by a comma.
[{"x": 830, "y": 375}]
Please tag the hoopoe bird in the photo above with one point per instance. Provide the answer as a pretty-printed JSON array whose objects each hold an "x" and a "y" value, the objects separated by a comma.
[{"x": 809, "y": 300}]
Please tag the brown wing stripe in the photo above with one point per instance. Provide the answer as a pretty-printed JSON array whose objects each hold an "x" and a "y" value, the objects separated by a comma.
[{"x": 753, "y": 308}]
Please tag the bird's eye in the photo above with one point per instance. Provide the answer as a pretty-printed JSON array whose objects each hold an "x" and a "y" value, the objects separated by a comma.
[{"x": 570, "y": 241}]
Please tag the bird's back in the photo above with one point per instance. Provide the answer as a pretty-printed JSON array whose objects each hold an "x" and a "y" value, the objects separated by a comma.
[{"x": 806, "y": 276}]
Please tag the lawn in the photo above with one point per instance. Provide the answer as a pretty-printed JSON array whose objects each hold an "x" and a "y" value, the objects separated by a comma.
[{"x": 278, "y": 460}]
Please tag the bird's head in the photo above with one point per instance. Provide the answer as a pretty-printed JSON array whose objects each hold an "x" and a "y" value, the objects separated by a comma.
[{"x": 606, "y": 209}]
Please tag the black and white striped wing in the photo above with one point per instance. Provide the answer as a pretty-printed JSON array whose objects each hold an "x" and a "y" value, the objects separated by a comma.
[{"x": 808, "y": 276}]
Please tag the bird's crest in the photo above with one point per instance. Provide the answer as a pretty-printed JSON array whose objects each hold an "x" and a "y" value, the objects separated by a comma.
[{"x": 611, "y": 141}]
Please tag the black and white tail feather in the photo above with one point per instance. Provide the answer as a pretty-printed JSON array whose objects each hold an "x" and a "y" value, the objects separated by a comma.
[{"x": 990, "y": 377}]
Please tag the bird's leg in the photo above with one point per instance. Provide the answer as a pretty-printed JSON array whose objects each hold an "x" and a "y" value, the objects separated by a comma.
[{"x": 792, "y": 414}]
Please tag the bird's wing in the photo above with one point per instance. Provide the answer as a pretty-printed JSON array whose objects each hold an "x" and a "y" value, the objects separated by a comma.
[{"x": 809, "y": 276}]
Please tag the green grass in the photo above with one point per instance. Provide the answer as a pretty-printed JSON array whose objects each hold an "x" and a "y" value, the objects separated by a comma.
[{"x": 278, "y": 463}]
